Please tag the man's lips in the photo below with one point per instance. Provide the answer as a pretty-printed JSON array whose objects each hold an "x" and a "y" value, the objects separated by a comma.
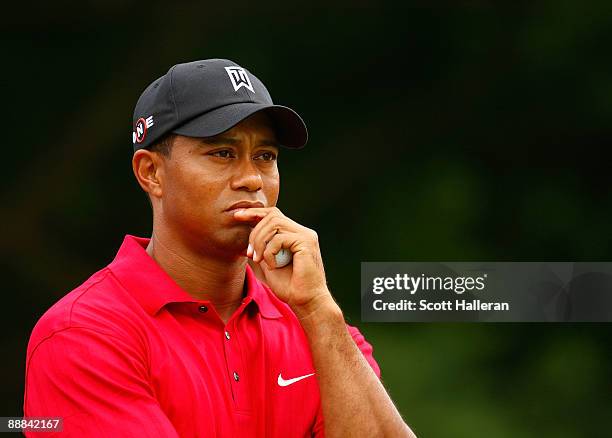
[{"x": 245, "y": 204}]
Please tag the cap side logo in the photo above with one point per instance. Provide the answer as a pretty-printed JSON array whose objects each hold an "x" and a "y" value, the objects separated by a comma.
[
  {"x": 239, "y": 78},
  {"x": 140, "y": 132}
]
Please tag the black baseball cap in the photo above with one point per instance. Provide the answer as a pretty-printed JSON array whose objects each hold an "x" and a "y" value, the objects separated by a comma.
[{"x": 205, "y": 98}]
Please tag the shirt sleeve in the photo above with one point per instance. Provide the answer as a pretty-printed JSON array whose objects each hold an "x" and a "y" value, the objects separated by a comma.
[
  {"x": 318, "y": 430},
  {"x": 96, "y": 382}
]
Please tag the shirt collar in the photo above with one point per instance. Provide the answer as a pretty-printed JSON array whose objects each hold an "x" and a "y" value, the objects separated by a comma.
[{"x": 153, "y": 288}]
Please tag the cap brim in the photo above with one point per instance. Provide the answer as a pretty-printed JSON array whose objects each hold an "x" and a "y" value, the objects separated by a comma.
[{"x": 290, "y": 128}]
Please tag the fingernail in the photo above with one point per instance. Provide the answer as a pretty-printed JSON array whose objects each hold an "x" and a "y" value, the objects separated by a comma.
[
  {"x": 249, "y": 250},
  {"x": 254, "y": 255}
]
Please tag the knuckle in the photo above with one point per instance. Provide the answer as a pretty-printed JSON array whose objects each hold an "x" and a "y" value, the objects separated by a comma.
[
  {"x": 269, "y": 257},
  {"x": 275, "y": 221}
]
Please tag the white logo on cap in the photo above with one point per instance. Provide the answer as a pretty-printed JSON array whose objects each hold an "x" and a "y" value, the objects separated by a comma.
[
  {"x": 142, "y": 125},
  {"x": 239, "y": 78}
]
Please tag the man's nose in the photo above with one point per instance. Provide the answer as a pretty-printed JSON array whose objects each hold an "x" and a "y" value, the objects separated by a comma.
[{"x": 247, "y": 177}]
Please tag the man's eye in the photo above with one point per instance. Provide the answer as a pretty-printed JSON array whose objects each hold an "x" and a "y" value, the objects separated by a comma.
[
  {"x": 225, "y": 153},
  {"x": 267, "y": 156}
]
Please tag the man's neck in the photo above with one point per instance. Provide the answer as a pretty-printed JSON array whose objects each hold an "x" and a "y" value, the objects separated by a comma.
[{"x": 202, "y": 277}]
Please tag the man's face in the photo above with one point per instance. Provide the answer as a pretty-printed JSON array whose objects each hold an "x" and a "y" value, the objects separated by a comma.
[{"x": 204, "y": 177}]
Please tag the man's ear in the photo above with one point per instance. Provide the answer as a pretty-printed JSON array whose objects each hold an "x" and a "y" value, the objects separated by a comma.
[{"x": 148, "y": 169}]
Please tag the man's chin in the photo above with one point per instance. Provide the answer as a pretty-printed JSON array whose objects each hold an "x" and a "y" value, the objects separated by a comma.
[
  {"x": 230, "y": 244},
  {"x": 238, "y": 243}
]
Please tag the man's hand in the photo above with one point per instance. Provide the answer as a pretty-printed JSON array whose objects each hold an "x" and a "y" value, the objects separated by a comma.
[
  {"x": 354, "y": 402},
  {"x": 300, "y": 284}
]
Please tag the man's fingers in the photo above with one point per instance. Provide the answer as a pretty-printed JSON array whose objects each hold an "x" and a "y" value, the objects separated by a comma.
[
  {"x": 274, "y": 222},
  {"x": 278, "y": 242},
  {"x": 263, "y": 231},
  {"x": 248, "y": 214},
  {"x": 272, "y": 226},
  {"x": 258, "y": 241}
]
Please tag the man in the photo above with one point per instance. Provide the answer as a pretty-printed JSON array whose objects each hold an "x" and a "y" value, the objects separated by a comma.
[{"x": 178, "y": 336}]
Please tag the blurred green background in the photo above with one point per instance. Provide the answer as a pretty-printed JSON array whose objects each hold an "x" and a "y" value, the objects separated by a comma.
[{"x": 463, "y": 132}]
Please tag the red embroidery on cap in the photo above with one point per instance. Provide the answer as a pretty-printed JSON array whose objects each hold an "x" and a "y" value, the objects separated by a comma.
[{"x": 141, "y": 130}]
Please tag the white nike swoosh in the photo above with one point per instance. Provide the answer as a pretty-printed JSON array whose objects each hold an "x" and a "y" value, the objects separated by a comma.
[{"x": 283, "y": 382}]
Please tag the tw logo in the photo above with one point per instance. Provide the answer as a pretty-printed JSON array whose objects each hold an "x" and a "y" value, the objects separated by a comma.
[
  {"x": 239, "y": 78},
  {"x": 142, "y": 125}
]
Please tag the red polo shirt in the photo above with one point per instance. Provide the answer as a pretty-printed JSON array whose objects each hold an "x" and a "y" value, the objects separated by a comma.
[{"x": 129, "y": 353}]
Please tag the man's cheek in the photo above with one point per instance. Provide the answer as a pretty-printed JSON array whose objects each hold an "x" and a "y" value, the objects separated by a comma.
[{"x": 271, "y": 191}]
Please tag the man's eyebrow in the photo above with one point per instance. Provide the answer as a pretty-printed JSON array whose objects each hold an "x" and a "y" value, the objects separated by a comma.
[
  {"x": 234, "y": 141},
  {"x": 219, "y": 141},
  {"x": 269, "y": 142}
]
